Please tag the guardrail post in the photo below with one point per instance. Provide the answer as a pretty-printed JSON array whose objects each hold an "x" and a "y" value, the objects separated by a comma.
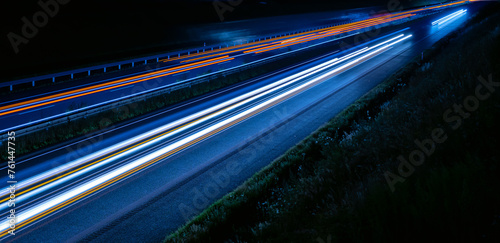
[
  {"x": 71, "y": 76},
  {"x": 119, "y": 66},
  {"x": 89, "y": 72},
  {"x": 145, "y": 61},
  {"x": 11, "y": 87},
  {"x": 33, "y": 83},
  {"x": 104, "y": 69},
  {"x": 53, "y": 79},
  {"x": 132, "y": 64},
  {"x": 157, "y": 59}
]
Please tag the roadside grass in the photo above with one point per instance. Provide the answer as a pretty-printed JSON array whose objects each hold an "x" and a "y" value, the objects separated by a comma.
[{"x": 331, "y": 187}]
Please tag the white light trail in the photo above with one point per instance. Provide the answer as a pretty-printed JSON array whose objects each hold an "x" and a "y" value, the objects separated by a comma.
[
  {"x": 449, "y": 17},
  {"x": 248, "y": 97}
]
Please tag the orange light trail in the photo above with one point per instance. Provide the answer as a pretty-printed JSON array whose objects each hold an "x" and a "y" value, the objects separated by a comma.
[
  {"x": 73, "y": 94},
  {"x": 218, "y": 54}
]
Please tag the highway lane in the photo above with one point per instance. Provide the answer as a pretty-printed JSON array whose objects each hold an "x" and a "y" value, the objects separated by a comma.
[
  {"x": 30, "y": 110},
  {"x": 177, "y": 112},
  {"x": 229, "y": 141}
]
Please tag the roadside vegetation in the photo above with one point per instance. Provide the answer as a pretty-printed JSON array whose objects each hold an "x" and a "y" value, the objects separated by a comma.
[{"x": 335, "y": 187}]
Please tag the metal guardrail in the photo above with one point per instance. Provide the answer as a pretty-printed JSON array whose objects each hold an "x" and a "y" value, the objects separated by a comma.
[
  {"x": 163, "y": 90},
  {"x": 183, "y": 84},
  {"x": 172, "y": 87},
  {"x": 142, "y": 60},
  {"x": 150, "y": 59}
]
